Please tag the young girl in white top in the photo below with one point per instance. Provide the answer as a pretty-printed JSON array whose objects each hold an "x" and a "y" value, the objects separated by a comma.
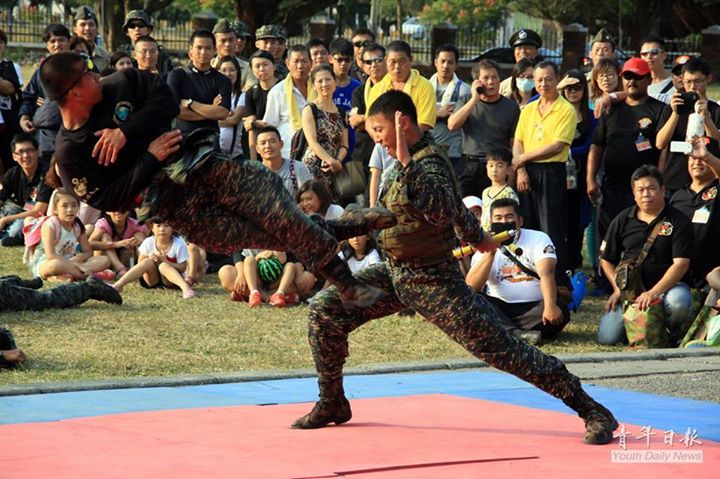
[
  {"x": 64, "y": 251},
  {"x": 162, "y": 261},
  {"x": 359, "y": 252}
]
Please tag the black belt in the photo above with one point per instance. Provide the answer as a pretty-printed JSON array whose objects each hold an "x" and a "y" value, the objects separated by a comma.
[{"x": 418, "y": 261}]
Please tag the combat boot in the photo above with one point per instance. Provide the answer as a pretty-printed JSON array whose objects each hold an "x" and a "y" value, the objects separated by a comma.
[
  {"x": 599, "y": 421},
  {"x": 102, "y": 292},
  {"x": 35, "y": 283},
  {"x": 333, "y": 407},
  {"x": 353, "y": 293}
]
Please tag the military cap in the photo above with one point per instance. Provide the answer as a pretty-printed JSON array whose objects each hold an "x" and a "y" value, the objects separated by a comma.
[
  {"x": 223, "y": 26},
  {"x": 603, "y": 36},
  {"x": 85, "y": 12},
  {"x": 241, "y": 29},
  {"x": 137, "y": 15},
  {"x": 525, "y": 36},
  {"x": 270, "y": 31}
]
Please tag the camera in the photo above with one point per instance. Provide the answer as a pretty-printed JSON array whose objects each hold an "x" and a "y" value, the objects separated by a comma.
[{"x": 689, "y": 99}]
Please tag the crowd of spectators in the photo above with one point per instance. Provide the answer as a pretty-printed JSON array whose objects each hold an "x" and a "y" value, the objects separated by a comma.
[{"x": 579, "y": 167}]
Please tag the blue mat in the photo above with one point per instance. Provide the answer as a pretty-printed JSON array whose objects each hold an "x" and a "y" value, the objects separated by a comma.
[{"x": 660, "y": 412}]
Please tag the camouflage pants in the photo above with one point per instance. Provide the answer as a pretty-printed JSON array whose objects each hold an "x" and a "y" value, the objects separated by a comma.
[
  {"x": 15, "y": 296},
  {"x": 440, "y": 295},
  {"x": 226, "y": 206}
]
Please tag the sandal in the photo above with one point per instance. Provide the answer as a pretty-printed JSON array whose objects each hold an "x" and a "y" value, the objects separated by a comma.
[{"x": 189, "y": 294}]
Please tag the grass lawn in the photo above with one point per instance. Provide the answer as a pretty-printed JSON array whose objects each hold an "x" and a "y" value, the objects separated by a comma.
[{"x": 156, "y": 333}]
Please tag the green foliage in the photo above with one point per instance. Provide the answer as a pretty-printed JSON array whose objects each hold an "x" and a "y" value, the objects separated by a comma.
[{"x": 463, "y": 13}]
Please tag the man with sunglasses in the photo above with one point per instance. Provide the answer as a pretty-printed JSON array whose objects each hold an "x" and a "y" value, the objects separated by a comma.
[
  {"x": 341, "y": 59},
  {"x": 654, "y": 52},
  {"x": 373, "y": 61},
  {"x": 217, "y": 204},
  {"x": 625, "y": 139},
  {"x": 138, "y": 24},
  {"x": 362, "y": 37}
]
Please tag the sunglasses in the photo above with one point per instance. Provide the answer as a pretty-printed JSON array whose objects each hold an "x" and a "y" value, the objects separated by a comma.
[
  {"x": 86, "y": 70},
  {"x": 362, "y": 43},
  {"x": 651, "y": 52},
  {"x": 340, "y": 59},
  {"x": 373, "y": 61},
  {"x": 136, "y": 25},
  {"x": 633, "y": 76},
  {"x": 575, "y": 88}
]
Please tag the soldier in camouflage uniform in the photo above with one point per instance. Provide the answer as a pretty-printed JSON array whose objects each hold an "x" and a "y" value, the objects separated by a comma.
[
  {"x": 420, "y": 273},
  {"x": 217, "y": 203},
  {"x": 273, "y": 38},
  {"x": 226, "y": 41},
  {"x": 141, "y": 25},
  {"x": 17, "y": 294}
]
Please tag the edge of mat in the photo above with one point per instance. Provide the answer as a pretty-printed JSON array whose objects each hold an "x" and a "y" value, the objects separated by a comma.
[{"x": 384, "y": 368}]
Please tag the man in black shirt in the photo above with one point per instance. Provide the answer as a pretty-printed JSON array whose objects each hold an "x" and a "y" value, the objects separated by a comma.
[
  {"x": 664, "y": 273},
  {"x": 700, "y": 203},
  {"x": 202, "y": 92},
  {"x": 24, "y": 192},
  {"x": 217, "y": 204},
  {"x": 695, "y": 76},
  {"x": 255, "y": 99},
  {"x": 624, "y": 141},
  {"x": 373, "y": 59}
]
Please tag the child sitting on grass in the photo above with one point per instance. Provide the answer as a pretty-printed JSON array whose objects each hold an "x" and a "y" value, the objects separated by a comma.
[
  {"x": 359, "y": 252},
  {"x": 63, "y": 251},
  {"x": 498, "y": 168},
  {"x": 162, "y": 261},
  {"x": 117, "y": 236}
]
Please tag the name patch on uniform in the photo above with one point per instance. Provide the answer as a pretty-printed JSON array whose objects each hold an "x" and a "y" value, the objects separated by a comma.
[
  {"x": 122, "y": 112},
  {"x": 666, "y": 229},
  {"x": 710, "y": 194}
]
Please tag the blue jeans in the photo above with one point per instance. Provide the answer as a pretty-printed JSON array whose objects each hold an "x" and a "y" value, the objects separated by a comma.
[
  {"x": 14, "y": 228},
  {"x": 677, "y": 303}
]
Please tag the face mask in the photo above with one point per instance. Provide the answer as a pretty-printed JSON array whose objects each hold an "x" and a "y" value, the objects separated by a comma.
[
  {"x": 525, "y": 84},
  {"x": 496, "y": 228}
]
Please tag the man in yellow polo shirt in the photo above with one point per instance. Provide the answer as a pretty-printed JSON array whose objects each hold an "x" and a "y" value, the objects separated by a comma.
[
  {"x": 401, "y": 76},
  {"x": 540, "y": 151}
]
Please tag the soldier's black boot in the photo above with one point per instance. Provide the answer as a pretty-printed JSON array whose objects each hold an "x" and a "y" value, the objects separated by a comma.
[
  {"x": 599, "y": 421},
  {"x": 353, "y": 293},
  {"x": 103, "y": 292},
  {"x": 333, "y": 407},
  {"x": 356, "y": 221}
]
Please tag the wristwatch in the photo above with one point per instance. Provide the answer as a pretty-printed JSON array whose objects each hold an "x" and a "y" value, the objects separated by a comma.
[{"x": 188, "y": 103}]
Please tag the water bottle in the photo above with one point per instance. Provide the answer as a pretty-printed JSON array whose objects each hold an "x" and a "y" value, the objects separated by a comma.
[{"x": 571, "y": 171}]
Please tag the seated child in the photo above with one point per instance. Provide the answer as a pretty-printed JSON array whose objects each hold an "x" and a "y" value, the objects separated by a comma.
[
  {"x": 63, "y": 251},
  {"x": 197, "y": 264},
  {"x": 162, "y": 261},
  {"x": 359, "y": 252},
  {"x": 117, "y": 236}
]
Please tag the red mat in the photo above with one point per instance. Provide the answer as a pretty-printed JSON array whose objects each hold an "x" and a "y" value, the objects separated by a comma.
[{"x": 434, "y": 436}]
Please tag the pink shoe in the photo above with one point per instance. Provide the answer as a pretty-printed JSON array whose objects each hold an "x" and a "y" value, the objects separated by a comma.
[
  {"x": 105, "y": 275},
  {"x": 255, "y": 299},
  {"x": 189, "y": 294},
  {"x": 278, "y": 300}
]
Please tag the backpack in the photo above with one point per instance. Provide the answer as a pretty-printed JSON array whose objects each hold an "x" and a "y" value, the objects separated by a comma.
[{"x": 33, "y": 232}]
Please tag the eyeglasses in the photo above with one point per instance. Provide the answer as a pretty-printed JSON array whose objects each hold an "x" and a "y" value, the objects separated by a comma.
[
  {"x": 342, "y": 59},
  {"x": 25, "y": 152},
  {"x": 362, "y": 43},
  {"x": 86, "y": 70},
  {"x": 695, "y": 82},
  {"x": 147, "y": 53},
  {"x": 608, "y": 75},
  {"x": 632, "y": 76},
  {"x": 652, "y": 52},
  {"x": 373, "y": 61}
]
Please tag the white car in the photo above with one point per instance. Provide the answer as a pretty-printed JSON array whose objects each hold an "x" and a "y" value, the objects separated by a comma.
[{"x": 414, "y": 28}]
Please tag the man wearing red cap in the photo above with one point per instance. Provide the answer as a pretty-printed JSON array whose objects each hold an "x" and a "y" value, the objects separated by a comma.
[{"x": 625, "y": 139}]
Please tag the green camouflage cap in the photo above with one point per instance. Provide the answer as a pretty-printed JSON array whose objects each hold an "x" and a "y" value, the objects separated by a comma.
[
  {"x": 85, "y": 12},
  {"x": 241, "y": 29},
  {"x": 603, "y": 36},
  {"x": 137, "y": 15},
  {"x": 270, "y": 31},
  {"x": 223, "y": 26}
]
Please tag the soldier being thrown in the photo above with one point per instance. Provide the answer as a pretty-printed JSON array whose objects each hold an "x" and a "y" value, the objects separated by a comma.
[
  {"x": 424, "y": 277},
  {"x": 218, "y": 204}
]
